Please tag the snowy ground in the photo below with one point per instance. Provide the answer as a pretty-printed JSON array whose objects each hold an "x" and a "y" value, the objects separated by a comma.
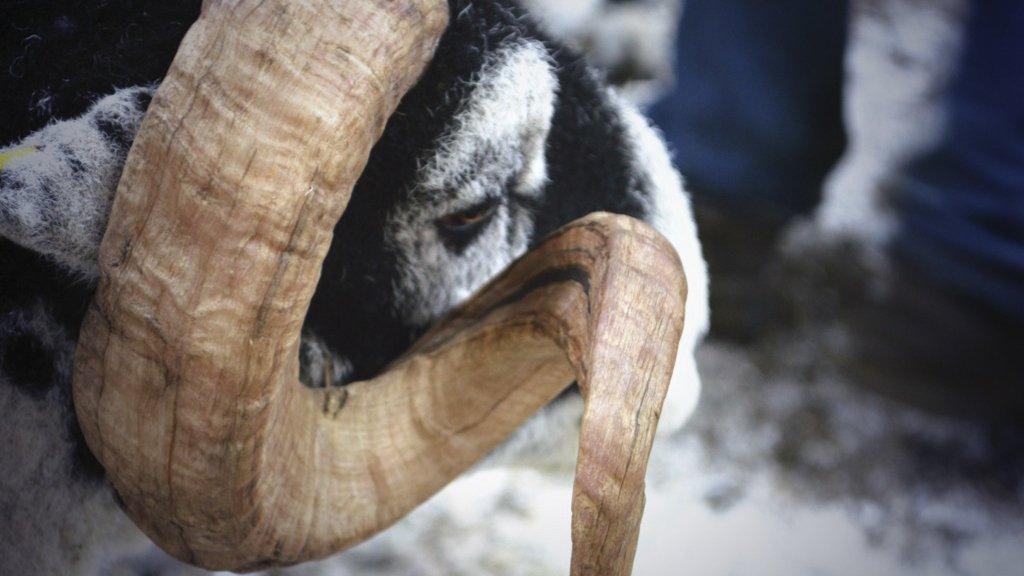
[
  {"x": 787, "y": 469},
  {"x": 782, "y": 472}
]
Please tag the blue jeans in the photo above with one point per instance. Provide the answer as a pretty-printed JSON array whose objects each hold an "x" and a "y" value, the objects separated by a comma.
[
  {"x": 756, "y": 124},
  {"x": 756, "y": 118},
  {"x": 962, "y": 205}
]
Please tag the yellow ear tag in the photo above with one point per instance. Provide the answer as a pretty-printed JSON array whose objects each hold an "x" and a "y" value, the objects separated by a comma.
[{"x": 13, "y": 153}]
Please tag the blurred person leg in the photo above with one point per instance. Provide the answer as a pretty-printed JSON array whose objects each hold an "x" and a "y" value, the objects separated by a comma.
[
  {"x": 756, "y": 116},
  {"x": 756, "y": 124},
  {"x": 954, "y": 323}
]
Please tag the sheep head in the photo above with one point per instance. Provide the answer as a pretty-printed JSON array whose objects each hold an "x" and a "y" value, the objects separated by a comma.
[{"x": 186, "y": 376}]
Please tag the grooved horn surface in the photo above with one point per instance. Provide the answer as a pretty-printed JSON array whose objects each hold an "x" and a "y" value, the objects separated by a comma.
[{"x": 186, "y": 376}]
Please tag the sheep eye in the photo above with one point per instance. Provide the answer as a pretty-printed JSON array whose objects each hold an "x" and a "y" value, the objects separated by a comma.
[
  {"x": 474, "y": 216},
  {"x": 458, "y": 229}
]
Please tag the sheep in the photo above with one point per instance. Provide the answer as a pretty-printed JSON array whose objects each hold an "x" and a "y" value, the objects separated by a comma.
[{"x": 507, "y": 136}]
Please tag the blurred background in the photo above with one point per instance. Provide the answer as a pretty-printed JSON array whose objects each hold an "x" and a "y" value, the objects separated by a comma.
[{"x": 857, "y": 168}]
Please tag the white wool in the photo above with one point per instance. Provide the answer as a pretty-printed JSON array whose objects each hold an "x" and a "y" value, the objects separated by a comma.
[
  {"x": 56, "y": 198},
  {"x": 508, "y": 117},
  {"x": 506, "y": 122}
]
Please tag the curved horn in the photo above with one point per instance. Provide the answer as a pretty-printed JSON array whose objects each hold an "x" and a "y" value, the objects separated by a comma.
[{"x": 186, "y": 375}]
